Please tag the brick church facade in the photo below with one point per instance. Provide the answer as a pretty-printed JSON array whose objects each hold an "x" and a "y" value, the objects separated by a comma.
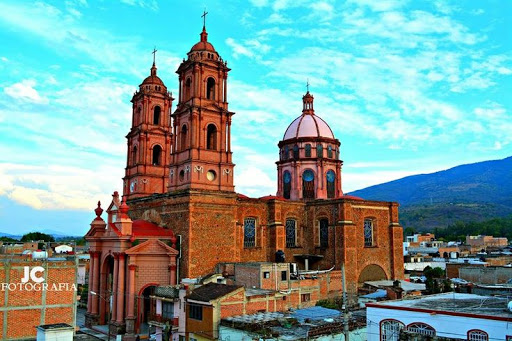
[{"x": 180, "y": 216}]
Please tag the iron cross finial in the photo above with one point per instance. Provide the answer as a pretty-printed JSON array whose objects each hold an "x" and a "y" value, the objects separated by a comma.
[
  {"x": 307, "y": 85},
  {"x": 204, "y": 17},
  {"x": 154, "y": 54}
]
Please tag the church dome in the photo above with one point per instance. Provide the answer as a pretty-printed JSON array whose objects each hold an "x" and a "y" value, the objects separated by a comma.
[
  {"x": 203, "y": 44},
  {"x": 308, "y": 124}
]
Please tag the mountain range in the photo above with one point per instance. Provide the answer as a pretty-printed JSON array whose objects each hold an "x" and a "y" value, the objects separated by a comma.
[{"x": 471, "y": 192}]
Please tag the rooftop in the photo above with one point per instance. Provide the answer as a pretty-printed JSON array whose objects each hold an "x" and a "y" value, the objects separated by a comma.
[
  {"x": 453, "y": 304},
  {"x": 212, "y": 291}
]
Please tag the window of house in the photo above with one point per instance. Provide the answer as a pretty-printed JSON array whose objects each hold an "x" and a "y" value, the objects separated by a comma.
[
  {"x": 287, "y": 184},
  {"x": 421, "y": 329},
  {"x": 291, "y": 233},
  {"x": 249, "y": 232},
  {"x": 156, "y": 115},
  {"x": 368, "y": 232},
  {"x": 168, "y": 310},
  {"x": 308, "y": 184},
  {"x": 157, "y": 153},
  {"x": 210, "y": 88},
  {"x": 390, "y": 330},
  {"x": 211, "y": 137},
  {"x": 266, "y": 274},
  {"x": 478, "y": 335},
  {"x": 331, "y": 184},
  {"x": 296, "y": 152},
  {"x": 284, "y": 275},
  {"x": 195, "y": 311},
  {"x": 307, "y": 150},
  {"x": 305, "y": 297},
  {"x": 319, "y": 150},
  {"x": 324, "y": 233}
]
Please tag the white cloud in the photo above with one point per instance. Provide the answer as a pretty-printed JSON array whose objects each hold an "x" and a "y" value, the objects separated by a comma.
[{"x": 26, "y": 92}]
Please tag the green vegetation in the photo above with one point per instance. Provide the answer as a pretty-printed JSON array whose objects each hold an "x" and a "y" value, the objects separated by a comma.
[
  {"x": 7, "y": 239},
  {"x": 436, "y": 280},
  {"x": 497, "y": 227},
  {"x": 331, "y": 303},
  {"x": 35, "y": 236}
]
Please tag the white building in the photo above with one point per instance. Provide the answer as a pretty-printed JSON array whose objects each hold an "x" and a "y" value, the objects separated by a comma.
[{"x": 449, "y": 315}]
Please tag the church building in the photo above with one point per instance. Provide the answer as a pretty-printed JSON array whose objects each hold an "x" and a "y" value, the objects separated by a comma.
[{"x": 180, "y": 216}]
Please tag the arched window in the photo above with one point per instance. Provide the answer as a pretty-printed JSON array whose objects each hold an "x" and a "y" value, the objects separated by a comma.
[
  {"x": 249, "y": 232},
  {"x": 291, "y": 233},
  {"x": 287, "y": 184},
  {"x": 211, "y": 137},
  {"x": 296, "y": 152},
  {"x": 286, "y": 153},
  {"x": 368, "y": 232},
  {"x": 308, "y": 184},
  {"x": 134, "y": 155},
  {"x": 156, "y": 115},
  {"x": 324, "y": 233},
  {"x": 421, "y": 329},
  {"x": 308, "y": 150},
  {"x": 157, "y": 154},
  {"x": 210, "y": 88},
  {"x": 331, "y": 184},
  {"x": 188, "y": 86},
  {"x": 329, "y": 151},
  {"x": 319, "y": 150},
  {"x": 477, "y": 335},
  {"x": 390, "y": 330},
  {"x": 184, "y": 137}
]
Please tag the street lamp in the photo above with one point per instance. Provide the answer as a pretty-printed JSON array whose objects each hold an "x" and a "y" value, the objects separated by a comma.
[{"x": 107, "y": 300}]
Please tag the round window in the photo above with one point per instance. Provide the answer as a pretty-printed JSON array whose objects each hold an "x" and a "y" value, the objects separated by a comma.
[
  {"x": 211, "y": 175},
  {"x": 308, "y": 175}
]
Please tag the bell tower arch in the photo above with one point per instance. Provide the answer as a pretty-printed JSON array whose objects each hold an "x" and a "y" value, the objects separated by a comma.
[
  {"x": 202, "y": 157},
  {"x": 149, "y": 140}
]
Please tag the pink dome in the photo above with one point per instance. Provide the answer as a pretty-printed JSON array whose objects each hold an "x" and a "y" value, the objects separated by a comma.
[{"x": 308, "y": 126}]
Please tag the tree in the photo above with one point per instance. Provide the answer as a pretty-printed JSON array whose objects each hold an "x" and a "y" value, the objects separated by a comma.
[
  {"x": 36, "y": 236},
  {"x": 8, "y": 239}
]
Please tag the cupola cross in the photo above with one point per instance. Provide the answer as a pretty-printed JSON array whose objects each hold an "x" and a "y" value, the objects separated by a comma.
[
  {"x": 154, "y": 54},
  {"x": 204, "y": 17},
  {"x": 307, "y": 85}
]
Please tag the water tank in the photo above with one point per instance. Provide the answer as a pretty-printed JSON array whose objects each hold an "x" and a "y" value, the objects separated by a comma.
[{"x": 39, "y": 254}]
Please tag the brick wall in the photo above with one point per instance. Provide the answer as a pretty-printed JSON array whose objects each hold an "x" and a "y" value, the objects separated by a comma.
[{"x": 21, "y": 311}]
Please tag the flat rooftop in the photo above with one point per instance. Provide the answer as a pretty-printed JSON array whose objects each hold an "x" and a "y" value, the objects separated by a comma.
[{"x": 453, "y": 304}]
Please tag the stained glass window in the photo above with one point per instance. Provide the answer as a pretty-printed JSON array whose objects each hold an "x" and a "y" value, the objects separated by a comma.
[
  {"x": 291, "y": 233},
  {"x": 319, "y": 150},
  {"x": 390, "y": 330},
  {"x": 308, "y": 150},
  {"x": 331, "y": 184},
  {"x": 308, "y": 184},
  {"x": 324, "y": 233},
  {"x": 368, "y": 232},
  {"x": 249, "y": 232},
  {"x": 295, "y": 152},
  {"x": 287, "y": 184}
]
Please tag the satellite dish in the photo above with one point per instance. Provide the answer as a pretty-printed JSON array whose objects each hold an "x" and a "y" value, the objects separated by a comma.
[{"x": 510, "y": 306}]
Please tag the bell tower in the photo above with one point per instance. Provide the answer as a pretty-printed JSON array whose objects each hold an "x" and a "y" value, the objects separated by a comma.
[
  {"x": 149, "y": 140},
  {"x": 201, "y": 156}
]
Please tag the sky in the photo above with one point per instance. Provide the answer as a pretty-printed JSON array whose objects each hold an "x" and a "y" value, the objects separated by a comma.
[{"x": 407, "y": 87}]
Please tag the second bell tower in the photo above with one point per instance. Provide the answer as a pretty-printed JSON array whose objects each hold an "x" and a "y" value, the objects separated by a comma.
[{"x": 201, "y": 156}]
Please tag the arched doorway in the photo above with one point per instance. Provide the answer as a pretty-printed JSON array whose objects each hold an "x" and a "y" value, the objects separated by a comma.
[
  {"x": 372, "y": 272},
  {"x": 144, "y": 307},
  {"x": 105, "y": 295}
]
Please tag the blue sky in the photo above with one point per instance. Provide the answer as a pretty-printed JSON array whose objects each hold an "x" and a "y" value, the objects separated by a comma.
[{"x": 407, "y": 87}]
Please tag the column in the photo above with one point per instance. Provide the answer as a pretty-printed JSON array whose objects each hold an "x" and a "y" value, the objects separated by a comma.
[
  {"x": 115, "y": 290},
  {"x": 96, "y": 282},
  {"x": 91, "y": 281},
  {"x": 120, "y": 289},
  {"x": 131, "y": 295}
]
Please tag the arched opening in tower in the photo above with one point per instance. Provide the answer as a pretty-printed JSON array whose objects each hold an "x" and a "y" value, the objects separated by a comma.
[
  {"x": 210, "y": 88},
  {"x": 157, "y": 154},
  {"x": 211, "y": 137},
  {"x": 156, "y": 115}
]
